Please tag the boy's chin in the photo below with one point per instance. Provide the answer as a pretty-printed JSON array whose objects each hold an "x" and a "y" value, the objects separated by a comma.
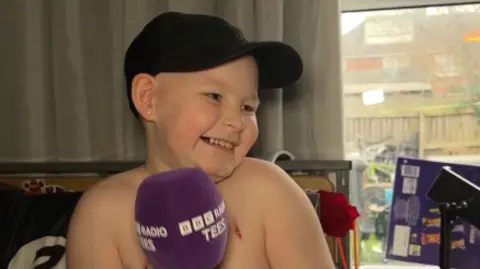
[{"x": 219, "y": 172}]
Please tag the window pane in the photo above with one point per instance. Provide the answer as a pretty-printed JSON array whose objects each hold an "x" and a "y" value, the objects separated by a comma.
[{"x": 411, "y": 88}]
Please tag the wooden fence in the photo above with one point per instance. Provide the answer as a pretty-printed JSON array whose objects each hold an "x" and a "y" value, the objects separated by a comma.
[{"x": 448, "y": 133}]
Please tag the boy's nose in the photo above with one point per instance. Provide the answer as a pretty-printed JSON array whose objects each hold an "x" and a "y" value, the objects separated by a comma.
[{"x": 235, "y": 122}]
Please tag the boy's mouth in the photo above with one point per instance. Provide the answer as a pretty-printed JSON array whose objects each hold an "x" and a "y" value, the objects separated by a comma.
[{"x": 218, "y": 142}]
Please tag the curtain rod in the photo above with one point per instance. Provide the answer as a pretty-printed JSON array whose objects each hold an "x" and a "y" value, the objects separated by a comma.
[{"x": 112, "y": 167}]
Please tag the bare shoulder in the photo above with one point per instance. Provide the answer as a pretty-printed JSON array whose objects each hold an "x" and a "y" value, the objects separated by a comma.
[
  {"x": 266, "y": 184},
  {"x": 107, "y": 198},
  {"x": 108, "y": 194},
  {"x": 293, "y": 235},
  {"x": 266, "y": 175},
  {"x": 113, "y": 187},
  {"x": 97, "y": 221}
]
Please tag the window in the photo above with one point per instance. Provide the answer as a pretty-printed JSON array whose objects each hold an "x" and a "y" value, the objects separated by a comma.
[{"x": 411, "y": 88}]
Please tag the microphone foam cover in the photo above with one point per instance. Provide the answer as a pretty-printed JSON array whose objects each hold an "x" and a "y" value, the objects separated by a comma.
[{"x": 180, "y": 220}]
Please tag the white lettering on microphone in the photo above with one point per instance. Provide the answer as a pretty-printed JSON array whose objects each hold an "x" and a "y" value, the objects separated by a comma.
[
  {"x": 147, "y": 244},
  {"x": 146, "y": 234},
  {"x": 198, "y": 223},
  {"x": 209, "y": 218},
  {"x": 185, "y": 228},
  {"x": 219, "y": 211},
  {"x": 151, "y": 231},
  {"x": 210, "y": 224},
  {"x": 215, "y": 230}
]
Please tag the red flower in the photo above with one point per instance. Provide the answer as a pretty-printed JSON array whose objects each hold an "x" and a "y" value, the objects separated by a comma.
[{"x": 337, "y": 216}]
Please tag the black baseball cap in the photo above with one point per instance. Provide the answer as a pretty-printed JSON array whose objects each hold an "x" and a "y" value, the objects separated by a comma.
[{"x": 180, "y": 42}]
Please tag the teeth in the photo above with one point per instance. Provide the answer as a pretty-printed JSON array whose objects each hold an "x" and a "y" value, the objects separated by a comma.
[{"x": 220, "y": 143}]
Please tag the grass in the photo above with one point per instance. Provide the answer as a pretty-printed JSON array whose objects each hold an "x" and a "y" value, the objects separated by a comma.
[{"x": 370, "y": 251}]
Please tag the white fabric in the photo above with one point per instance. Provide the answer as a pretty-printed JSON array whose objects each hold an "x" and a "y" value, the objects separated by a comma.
[{"x": 26, "y": 256}]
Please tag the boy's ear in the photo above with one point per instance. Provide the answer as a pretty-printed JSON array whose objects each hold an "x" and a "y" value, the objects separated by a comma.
[{"x": 143, "y": 95}]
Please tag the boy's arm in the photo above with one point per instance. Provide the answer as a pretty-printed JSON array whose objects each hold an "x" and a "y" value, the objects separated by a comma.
[
  {"x": 91, "y": 237},
  {"x": 294, "y": 236}
]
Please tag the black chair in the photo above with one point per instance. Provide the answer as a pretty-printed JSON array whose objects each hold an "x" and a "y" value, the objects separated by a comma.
[
  {"x": 34, "y": 228},
  {"x": 315, "y": 199}
]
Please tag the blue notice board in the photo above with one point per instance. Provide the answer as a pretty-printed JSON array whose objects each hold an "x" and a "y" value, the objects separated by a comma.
[{"x": 414, "y": 232}]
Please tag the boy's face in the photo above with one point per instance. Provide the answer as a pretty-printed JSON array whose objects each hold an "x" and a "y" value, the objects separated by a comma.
[{"x": 204, "y": 119}]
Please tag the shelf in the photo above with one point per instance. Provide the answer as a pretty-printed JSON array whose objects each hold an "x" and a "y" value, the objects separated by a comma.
[{"x": 113, "y": 167}]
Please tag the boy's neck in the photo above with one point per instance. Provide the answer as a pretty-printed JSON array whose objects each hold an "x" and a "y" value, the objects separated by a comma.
[
  {"x": 153, "y": 162},
  {"x": 154, "y": 165}
]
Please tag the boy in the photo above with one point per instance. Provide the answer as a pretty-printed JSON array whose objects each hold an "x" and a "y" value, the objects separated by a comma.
[{"x": 193, "y": 80}]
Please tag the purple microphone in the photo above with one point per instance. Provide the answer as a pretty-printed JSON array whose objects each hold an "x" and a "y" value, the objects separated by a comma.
[{"x": 180, "y": 220}]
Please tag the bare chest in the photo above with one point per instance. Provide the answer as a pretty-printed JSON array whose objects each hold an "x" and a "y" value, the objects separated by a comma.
[{"x": 245, "y": 248}]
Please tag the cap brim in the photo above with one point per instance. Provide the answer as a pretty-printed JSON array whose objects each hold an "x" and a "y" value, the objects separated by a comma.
[{"x": 279, "y": 65}]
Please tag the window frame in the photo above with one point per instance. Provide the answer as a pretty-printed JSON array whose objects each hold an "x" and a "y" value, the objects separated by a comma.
[{"x": 370, "y": 5}]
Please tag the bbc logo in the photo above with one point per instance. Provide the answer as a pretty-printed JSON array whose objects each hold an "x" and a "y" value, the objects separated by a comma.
[{"x": 196, "y": 224}]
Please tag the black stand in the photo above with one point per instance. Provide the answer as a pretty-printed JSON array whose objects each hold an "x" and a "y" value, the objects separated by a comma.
[
  {"x": 449, "y": 214},
  {"x": 457, "y": 198}
]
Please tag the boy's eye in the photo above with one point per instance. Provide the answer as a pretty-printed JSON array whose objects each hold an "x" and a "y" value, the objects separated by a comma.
[
  {"x": 214, "y": 96},
  {"x": 248, "y": 108}
]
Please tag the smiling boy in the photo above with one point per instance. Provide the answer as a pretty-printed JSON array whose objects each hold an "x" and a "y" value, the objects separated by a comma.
[{"x": 193, "y": 81}]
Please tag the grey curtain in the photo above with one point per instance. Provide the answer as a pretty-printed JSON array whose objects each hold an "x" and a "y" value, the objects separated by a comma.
[{"x": 63, "y": 97}]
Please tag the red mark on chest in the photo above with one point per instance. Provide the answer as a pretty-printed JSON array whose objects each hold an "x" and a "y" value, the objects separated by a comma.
[{"x": 237, "y": 231}]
